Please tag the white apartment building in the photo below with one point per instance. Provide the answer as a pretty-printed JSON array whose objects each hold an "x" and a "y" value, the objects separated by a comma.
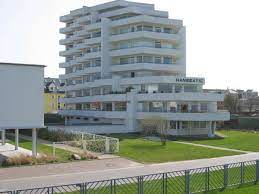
[{"x": 125, "y": 62}]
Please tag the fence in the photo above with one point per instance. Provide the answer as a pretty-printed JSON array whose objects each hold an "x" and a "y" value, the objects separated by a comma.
[
  {"x": 84, "y": 141},
  {"x": 186, "y": 181}
]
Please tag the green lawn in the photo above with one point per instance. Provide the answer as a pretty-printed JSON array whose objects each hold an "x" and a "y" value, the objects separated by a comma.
[
  {"x": 136, "y": 148},
  {"x": 248, "y": 141},
  {"x": 246, "y": 189},
  {"x": 61, "y": 155}
]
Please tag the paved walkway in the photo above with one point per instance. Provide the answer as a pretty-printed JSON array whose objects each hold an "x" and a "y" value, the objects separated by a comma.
[
  {"x": 8, "y": 150},
  {"x": 57, "y": 174},
  {"x": 213, "y": 147}
]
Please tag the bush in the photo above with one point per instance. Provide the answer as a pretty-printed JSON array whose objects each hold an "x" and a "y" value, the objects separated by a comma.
[
  {"x": 28, "y": 160},
  {"x": 55, "y": 135},
  {"x": 88, "y": 156}
]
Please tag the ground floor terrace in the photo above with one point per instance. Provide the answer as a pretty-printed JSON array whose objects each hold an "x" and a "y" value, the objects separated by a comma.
[{"x": 9, "y": 150}]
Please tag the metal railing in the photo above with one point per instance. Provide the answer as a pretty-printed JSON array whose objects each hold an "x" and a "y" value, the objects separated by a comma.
[{"x": 186, "y": 181}]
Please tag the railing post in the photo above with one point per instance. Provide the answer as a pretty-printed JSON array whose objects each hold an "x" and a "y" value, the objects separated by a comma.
[
  {"x": 257, "y": 172},
  {"x": 225, "y": 175},
  {"x": 187, "y": 181},
  {"x": 114, "y": 186},
  {"x": 207, "y": 179},
  {"x": 242, "y": 171},
  {"x": 82, "y": 188},
  {"x": 107, "y": 145},
  {"x": 54, "y": 149},
  {"x": 140, "y": 185},
  {"x": 164, "y": 183}
]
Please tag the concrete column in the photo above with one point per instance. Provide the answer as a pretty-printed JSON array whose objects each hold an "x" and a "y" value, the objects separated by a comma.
[
  {"x": 189, "y": 107},
  {"x": 16, "y": 139},
  {"x": 210, "y": 133},
  {"x": 113, "y": 106},
  {"x": 182, "y": 88},
  {"x": 199, "y": 107},
  {"x": 34, "y": 142},
  {"x": 3, "y": 137},
  {"x": 180, "y": 125},
  {"x": 173, "y": 88},
  {"x": 66, "y": 121}
]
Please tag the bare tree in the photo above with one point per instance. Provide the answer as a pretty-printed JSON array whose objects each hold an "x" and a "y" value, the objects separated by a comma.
[
  {"x": 231, "y": 103},
  {"x": 250, "y": 103},
  {"x": 156, "y": 125}
]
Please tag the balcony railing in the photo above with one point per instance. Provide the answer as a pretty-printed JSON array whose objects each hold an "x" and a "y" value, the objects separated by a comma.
[
  {"x": 143, "y": 45},
  {"x": 142, "y": 30}
]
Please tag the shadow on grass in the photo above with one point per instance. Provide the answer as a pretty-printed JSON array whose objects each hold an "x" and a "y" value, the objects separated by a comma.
[{"x": 148, "y": 147}]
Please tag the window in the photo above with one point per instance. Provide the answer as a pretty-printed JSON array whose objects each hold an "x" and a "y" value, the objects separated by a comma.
[
  {"x": 204, "y": 107},
  {"x": 124, "y": 45},
  {"x": 131, "y": 60},
  {"x": 158, "y": 60},
  {"x": 173, "y": 125},
  {"x": 132, "y": 74},
  {"x": 123, "y": 30},
  {"x": 158, "y": 29},
  {"x": 124, "y": 61},
  {"x": 168, "y": 30},
  {"x": 148, "y": 28},
  {"x": 147, "y": 59},
  {"x": 132, "y": 29},
  {"x": 87, "y": 64},
  {"x": 139, "y": 28},
  {"x": 97, "y": 63},
  {"x": 168, "y": 60},
  {"x": 96, "y": 34},
  {"x": 184, "y": 124},
  {"x": 203, "y": 124},
  {"x": 139, "y": 59},
  {"x": 157, "y": 44}
]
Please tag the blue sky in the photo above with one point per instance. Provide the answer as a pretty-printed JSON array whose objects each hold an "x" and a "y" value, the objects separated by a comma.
[{"x": 222, "y": 36}]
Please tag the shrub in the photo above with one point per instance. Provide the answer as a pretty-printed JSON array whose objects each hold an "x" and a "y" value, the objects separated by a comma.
[
  {"x": 56, "y": 135},
  {"x": 28, "y": 160},
  {"x": 88, "y": 156}
]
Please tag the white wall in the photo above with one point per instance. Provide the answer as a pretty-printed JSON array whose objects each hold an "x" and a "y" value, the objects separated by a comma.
[{"x": 21, "y": 96}]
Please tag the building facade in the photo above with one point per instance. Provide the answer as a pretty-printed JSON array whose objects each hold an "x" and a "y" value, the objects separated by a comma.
[
  {"x": 53, "y": 92},
  {"x": 126, "y": 62}
]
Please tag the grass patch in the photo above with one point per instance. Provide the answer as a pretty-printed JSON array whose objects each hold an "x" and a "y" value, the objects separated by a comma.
[
  {"x": 244, "y": 189},
  {"x": 61, "y": 155},
  {"x": 242, "y": 140},
  {"x": 136, "y": 148}
]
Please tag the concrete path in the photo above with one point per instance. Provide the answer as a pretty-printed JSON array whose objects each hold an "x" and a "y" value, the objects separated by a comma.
[
  {"x": 57, "y": 174},
  {"x": 8, "y": 150},
  {"x": 214, "y": 147}
]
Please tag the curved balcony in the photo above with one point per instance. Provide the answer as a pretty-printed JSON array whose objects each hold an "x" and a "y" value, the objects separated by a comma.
[
  {"x": 97, "y": 98},
  {"x": 144, "y": 50},
  {"x": 85, "y": 71},
  {"x": 161, "y": 79},
  {"x": 183, "y": 96},
  {"x": 95, "y": 83},
  {"x": 143, "y": 34},
  {"x": 146, "y": 19},
  {"x": 208, "y": 116},
  {"x": 149, "y": 67},
  {"x": 88, "y": 56},
  {"x": 91, "y": 113}
]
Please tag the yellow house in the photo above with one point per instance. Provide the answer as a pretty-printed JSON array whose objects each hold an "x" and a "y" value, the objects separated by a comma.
[
  {"x": 52, "y": 104},
  {"x": 52, "y": 94}
]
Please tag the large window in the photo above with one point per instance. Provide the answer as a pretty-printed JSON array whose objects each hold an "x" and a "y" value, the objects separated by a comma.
[
  {"x": 147, "y": 59},
  {"x": 158, "y": 60},
  {"x": 168, "y": 60},
  {"x": 139, "y": 59}
]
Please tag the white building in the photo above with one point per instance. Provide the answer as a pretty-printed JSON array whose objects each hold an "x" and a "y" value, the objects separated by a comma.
[
  {"x": 21, "y": 99},
  {"x": 126, "y": 62}
]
